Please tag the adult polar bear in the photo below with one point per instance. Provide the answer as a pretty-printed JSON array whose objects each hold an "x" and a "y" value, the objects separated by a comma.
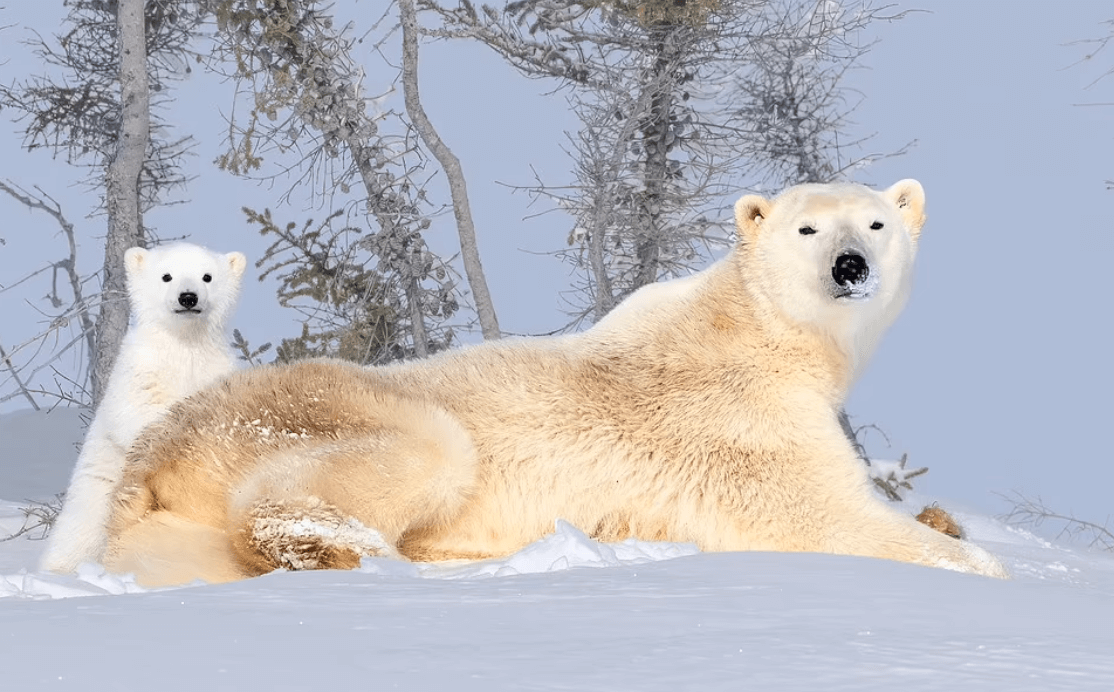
[{"x": 704, "y": 410}]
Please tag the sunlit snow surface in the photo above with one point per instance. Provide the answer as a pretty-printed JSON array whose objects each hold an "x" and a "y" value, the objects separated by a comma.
[{"x": 565, "y": 613}]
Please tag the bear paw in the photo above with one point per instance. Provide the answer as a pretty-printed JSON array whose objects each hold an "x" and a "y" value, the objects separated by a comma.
[{"x": 310, "y": 535}]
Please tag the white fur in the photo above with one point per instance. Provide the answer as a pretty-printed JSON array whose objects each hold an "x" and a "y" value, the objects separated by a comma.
[
  {"x": 797, "y": 278},
  {"x": 704, "y": 410},
  {"x": 171, "y": 350}
]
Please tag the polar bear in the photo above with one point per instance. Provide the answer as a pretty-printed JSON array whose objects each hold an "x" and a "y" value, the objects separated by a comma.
[
  {"x": 704, "y": 411},
  {"x": 182, "y": 296}
]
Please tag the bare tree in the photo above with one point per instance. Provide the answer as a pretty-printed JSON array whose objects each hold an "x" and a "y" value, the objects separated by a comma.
[
  {"x": 98, "y": 113},
  {"x": 667, "y": 93},
  {"x": 646, "y": 160},
  {"x": 306, "y": 96},
  {"x": 794, "y": 111},
  {"x": 473, "y": 268}
]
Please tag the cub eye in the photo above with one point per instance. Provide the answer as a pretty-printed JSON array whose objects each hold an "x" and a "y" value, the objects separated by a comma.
[
  {"x": 167, "y": 278},
  {"x": 207, "y": 278},
  {"x": 806, "y": 230},
  {"x": 876, "y": 226}
]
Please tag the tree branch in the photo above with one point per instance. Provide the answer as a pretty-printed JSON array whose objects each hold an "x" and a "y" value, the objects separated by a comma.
[
  {"x": 15, "y": 376},
  {"x": 1035, "y": 513}
]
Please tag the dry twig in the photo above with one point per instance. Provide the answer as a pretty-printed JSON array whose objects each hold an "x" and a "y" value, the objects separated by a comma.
[{"x": 38, "y": 516}]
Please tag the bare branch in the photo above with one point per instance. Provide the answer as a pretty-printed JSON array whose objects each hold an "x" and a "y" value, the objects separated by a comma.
[
  {"x": 1095, "y": 47},
  {"x": 48, "y": 204},
  {"x": 1033, "y": 512},
  {"x": 38, "y": 516},
  {"x": 18, "y": 381}
]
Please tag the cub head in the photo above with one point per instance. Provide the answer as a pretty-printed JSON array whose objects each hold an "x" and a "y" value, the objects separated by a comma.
[
  {"x": 835, "y": 257},
  {"x": 183, "y": 286}
]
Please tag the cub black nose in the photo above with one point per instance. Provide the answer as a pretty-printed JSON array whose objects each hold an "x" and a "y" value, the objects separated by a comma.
[
  {"x": 850, "y": 269},
  {"x": 187, "y": 300}
]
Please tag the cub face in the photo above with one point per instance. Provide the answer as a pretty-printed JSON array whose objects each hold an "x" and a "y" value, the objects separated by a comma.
[
  {"x": 180, "y": 284},
  {"x": 821, "y": 253}
]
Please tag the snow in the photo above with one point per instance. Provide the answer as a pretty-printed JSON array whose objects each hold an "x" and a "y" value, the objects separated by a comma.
[{"x": 565, "y": 613}]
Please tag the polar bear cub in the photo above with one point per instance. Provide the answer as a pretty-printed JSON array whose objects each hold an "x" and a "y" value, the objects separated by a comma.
[{"x": 182, "y": 296}]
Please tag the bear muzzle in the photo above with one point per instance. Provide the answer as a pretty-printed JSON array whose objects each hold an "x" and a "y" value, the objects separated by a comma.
[
  {"x": 188, "y": 300},
  {"x": 852, "y": 276}
]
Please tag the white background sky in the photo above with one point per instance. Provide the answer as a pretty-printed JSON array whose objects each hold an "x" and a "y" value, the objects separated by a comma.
[{"x": 997, "y": 375}]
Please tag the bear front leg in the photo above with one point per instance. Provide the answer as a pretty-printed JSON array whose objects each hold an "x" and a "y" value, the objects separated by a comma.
[
  {"x": 80, "y": 531},
  {"x": 862, "y": 524},
  {"x": 826, "y": 506},
  {"x": 902, "y": 537}
]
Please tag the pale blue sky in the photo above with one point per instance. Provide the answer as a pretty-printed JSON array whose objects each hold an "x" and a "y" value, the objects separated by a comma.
[{"x": 997, "y": 376}]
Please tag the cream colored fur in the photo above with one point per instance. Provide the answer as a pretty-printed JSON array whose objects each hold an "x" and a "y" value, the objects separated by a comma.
[
  {"x": 169, "y": 352},
  {"x": 702, "y": 411}
]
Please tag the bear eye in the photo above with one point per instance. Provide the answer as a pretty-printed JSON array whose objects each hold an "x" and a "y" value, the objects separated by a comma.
[
  {"x": 167, "y": 278},
  {"x": 876, "y": 226},
  {"x": 207, "y": 278},
  {"x": 806, "y": 230}
]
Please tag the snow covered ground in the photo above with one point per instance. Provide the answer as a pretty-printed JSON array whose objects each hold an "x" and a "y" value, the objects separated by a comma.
[{"x": 565, "y": 613}]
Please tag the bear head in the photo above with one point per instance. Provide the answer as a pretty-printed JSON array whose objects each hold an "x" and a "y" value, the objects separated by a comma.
[
  {"x": 837, "y": 258},
  {"x": 182, "y": 286}
]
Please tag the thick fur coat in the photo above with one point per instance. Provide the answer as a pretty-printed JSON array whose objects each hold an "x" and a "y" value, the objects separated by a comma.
[
  {"x": 701, "y": 410},
  {"x": 181, "y": 298}
]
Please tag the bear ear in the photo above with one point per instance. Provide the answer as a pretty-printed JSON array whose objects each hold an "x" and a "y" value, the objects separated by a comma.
[
  {"x": 750, "y": 212},
  {"x": 908, "y": 196},
  {"x": 236, "y": 263},
  {"x": 133, "y": 259}
]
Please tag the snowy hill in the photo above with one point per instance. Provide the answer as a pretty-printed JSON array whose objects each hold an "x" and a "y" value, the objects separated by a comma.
[{"x": 565, "y": 613}]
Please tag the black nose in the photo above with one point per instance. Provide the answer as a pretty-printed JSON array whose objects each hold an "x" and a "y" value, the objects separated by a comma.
[
  {"x": 850, "y": 269},
  {"x": 187, "y": 300}
]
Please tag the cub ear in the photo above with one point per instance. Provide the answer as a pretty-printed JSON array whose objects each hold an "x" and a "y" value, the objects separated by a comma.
[
  {"x": 236, "y": 263},
  {"x": 133, "y": 259},
  {"x": 750, "y": 212},
  {"x": 908, "y": 196}
]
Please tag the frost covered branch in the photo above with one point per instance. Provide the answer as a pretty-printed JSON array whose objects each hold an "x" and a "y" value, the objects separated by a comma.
[{"x": 891, "y": 477}]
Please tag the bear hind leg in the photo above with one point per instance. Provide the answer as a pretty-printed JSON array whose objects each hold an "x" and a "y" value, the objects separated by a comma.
[{"x": 326, "y": 505}]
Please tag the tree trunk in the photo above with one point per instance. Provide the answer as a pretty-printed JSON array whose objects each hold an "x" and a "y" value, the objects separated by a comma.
[
  {"x": 469, "y": 251},
  {"x": 655, "y": 137},
  {"x": 125, "y": 227},
  {"x": 603, "y": 296}
]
